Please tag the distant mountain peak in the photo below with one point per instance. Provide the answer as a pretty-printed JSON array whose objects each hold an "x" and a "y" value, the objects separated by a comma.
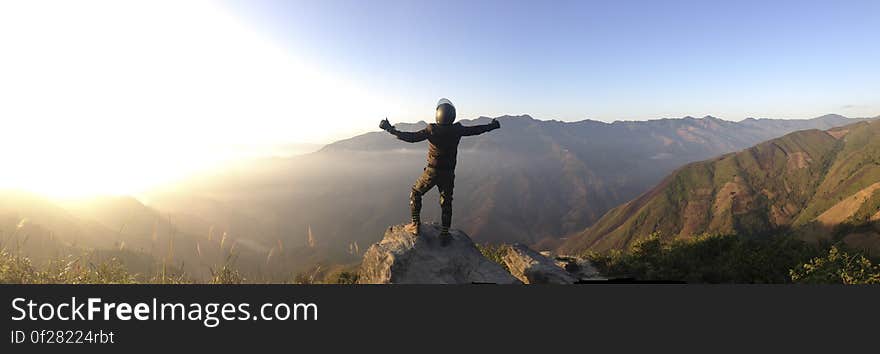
[
  {"x": 507, "y": 116},
  {"x": 830, "y": 116}
]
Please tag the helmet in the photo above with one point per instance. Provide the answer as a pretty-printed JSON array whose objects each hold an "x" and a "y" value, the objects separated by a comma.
[{"x": 445, "y": 112}]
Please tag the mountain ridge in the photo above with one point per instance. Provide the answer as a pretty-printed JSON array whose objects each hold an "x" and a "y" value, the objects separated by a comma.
[
  {"x": 828, "y": 121},
  {"x": 530, "y": 182},
  {"x": 782, "y": 185}
]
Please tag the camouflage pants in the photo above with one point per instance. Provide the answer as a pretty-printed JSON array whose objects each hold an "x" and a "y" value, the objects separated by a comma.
[{"x": 445, "y": 182}]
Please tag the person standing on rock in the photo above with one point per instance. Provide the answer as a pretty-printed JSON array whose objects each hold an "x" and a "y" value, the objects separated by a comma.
[{"x": 443, "y": 138}]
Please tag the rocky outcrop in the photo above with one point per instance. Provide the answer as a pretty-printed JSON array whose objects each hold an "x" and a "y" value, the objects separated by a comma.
[
  {"x": 579, "y": 268},
  {"x": 533, "y": 268},
  {"x": 404, "y": 258}
]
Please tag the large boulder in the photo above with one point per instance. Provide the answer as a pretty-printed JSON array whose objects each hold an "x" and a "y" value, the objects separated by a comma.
[
  {"x": 404, "y": 258},
  {"x": 533, "y": 268}
]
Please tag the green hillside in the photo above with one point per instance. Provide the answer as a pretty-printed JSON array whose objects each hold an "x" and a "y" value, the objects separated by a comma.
[{"x": 813, "y": 184}]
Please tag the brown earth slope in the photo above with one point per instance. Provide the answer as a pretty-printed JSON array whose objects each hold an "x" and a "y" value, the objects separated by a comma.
[{"x": 817, "y": 184}]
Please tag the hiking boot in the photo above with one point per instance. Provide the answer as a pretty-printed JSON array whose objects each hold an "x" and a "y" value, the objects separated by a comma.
[
  {"x": 412, "y": 228},
  {"x": 445, "y": 239}
]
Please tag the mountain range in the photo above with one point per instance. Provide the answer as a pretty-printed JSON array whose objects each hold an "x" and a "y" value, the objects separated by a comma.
[
  {"x": 819, "y": 185},
  {"x": 533, "y": 182}
]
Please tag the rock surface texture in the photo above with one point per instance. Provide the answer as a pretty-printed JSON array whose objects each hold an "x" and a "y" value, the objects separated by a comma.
[
  {"x": 533, "y": 268},
  {"x": 579, "y": 268},
  {"x": 404, "y": 258}
]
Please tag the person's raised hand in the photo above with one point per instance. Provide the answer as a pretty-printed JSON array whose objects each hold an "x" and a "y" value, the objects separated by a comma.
[{"x": 385, "y": 125}]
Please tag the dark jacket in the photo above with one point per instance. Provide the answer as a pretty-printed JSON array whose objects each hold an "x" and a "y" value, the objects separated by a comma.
[{"x": 443, "y": 141}]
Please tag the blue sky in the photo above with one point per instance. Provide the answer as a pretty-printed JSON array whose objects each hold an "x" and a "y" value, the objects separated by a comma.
[{"x": 604, "y": 60}]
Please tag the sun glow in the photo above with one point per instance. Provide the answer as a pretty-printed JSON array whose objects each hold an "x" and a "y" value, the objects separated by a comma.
[{"x": 119, "y": 96}]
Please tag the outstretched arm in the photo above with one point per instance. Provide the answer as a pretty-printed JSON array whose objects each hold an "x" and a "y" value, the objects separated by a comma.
[
  {"x": 410, "y": 137},
  {"x": 480, "y": 129}
]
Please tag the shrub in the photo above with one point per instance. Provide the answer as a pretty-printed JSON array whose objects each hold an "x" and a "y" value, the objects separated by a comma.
[
  {"x": 707, "y": 259},
  {"x": 343, "y": 277},
  {"x": 227, "y": 274},
  {"x": 494, "y": 253},
  {"x": 837, "y": 266},
  {"x": 75, "y": 270},
  {"x": 15, "y": 269}
]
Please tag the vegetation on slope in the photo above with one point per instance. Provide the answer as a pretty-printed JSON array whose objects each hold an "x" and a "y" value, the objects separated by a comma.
[
  {"x": 734, "y": 259},
  {"x": 88, "y": 268},
  {"x": 782, "y": 186}
]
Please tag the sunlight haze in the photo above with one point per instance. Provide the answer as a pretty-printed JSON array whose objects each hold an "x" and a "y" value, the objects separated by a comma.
[{"x": 115, "y": 97}]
